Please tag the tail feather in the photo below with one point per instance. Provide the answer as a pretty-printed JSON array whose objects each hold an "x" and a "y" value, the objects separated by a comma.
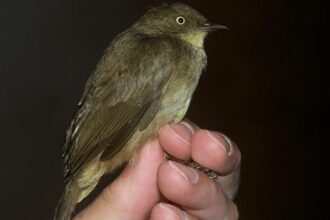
[
  {"x": 77, "y": 189},
  {"x": 67, "y": 202}
]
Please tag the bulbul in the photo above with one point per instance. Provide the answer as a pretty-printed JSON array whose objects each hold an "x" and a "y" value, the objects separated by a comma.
[{"x": 144, "y": 80}]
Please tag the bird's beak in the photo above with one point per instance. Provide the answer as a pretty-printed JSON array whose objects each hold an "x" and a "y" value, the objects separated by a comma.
[{"x": 209, "y": 27}]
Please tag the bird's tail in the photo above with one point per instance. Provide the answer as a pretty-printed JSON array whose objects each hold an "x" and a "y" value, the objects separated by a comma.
[{"x": 68, "y": 201}]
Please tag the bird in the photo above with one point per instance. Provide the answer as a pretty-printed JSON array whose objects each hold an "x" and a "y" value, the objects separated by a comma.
[{"x": 144, "y": 80}]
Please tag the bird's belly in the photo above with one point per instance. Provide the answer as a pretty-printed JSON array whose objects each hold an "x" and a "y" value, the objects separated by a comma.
[{"x": 174, "y": 107}]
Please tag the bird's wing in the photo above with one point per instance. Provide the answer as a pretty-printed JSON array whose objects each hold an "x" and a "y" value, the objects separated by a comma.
[{"x": 122, "y": 95}]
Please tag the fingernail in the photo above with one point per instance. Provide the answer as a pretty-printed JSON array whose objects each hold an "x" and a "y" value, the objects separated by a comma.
[
  {"x": 178, "y": 215},
  {"x": 221, "y": 140},
  {"x": 185, "y": 172},
  {"x": 188, "y": 126},
  {"x": 181, "y": 132}
]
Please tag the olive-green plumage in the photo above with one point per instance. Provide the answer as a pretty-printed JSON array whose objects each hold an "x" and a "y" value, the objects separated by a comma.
[{"x": 144, "y": 80}]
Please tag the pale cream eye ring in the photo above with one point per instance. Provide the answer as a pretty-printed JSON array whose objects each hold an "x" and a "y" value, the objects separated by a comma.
[{"x": 180, "y": 20}]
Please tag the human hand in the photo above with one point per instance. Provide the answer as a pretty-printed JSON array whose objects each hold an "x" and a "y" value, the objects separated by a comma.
[{"x": 152, "y": 188}]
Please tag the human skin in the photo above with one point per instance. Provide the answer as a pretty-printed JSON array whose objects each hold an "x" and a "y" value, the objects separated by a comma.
[{"x": 151, "y": 187}]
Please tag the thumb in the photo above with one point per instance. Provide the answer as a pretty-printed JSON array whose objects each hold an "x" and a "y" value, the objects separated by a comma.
[{"x": 133, "y": 194}]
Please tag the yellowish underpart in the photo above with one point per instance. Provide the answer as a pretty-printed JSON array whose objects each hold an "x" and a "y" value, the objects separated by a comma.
[{"x": 195, "y": 38}]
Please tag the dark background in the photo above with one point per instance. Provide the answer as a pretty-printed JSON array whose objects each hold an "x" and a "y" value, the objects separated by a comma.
[{"x": 263, "y": 87}]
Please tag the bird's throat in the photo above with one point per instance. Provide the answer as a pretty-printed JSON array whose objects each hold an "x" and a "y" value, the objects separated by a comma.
[{"x": 196, "y": 39}]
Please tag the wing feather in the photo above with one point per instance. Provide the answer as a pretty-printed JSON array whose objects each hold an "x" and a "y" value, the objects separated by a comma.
[{"x": 125, "y": 90}]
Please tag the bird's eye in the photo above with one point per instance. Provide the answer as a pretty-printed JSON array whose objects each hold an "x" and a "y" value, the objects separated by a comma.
[{"x": 180, "y": 20}]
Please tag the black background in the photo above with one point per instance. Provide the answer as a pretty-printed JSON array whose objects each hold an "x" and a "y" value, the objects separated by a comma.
[{"x": 263, "y": 87}]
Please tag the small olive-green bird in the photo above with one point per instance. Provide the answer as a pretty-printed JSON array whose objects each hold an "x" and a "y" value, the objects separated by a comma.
[{"x": 144, "y": 80}]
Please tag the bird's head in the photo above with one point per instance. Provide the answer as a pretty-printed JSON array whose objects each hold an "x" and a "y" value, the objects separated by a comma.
[{"x": 177, "y": 20}]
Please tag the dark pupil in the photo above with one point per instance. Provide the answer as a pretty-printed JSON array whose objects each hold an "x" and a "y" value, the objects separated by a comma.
[{"x": 180, "y": 20}]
